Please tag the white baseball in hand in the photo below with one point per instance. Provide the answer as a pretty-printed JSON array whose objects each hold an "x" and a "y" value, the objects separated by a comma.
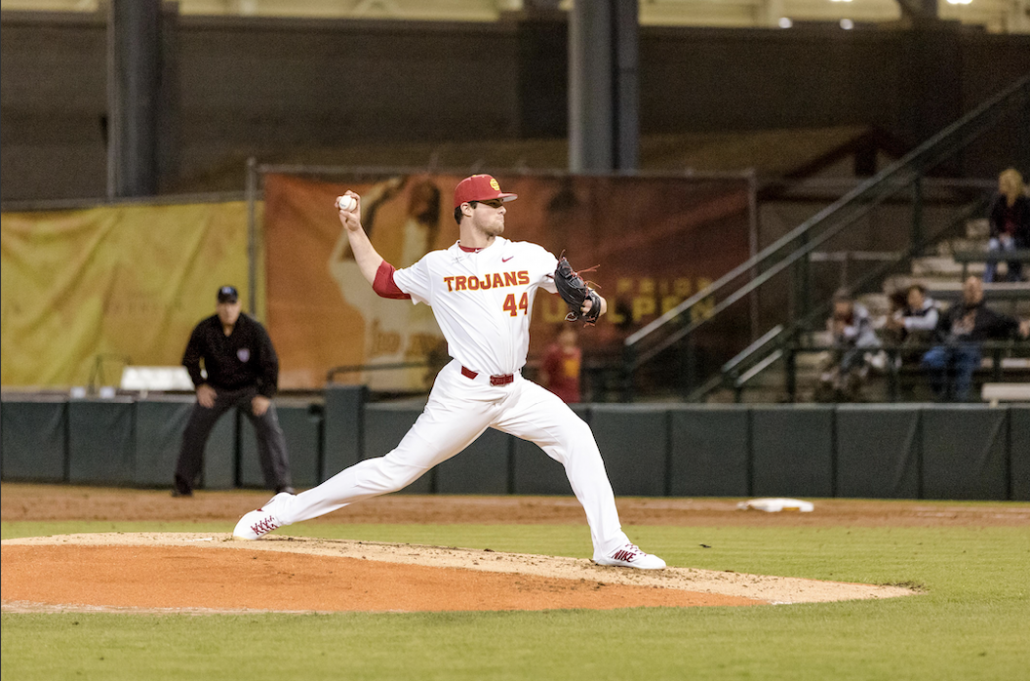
[{"x": 346, "y": 202}]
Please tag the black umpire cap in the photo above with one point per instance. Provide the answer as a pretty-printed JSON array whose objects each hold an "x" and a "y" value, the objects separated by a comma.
[{"x": 228, "y": 294}]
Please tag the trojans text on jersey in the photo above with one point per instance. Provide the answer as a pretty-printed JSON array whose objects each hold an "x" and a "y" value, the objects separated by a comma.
[{"x": 487, "y": 281}]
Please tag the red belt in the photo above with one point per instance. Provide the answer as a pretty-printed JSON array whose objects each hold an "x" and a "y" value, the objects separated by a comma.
[{"x": 494, "y": 380}]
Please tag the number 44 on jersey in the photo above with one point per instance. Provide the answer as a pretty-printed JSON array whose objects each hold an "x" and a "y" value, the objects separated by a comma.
[{"x": 509, "y": 304}]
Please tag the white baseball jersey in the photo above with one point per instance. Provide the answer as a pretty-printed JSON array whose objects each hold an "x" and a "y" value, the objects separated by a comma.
[{"x": 482, "y": 299}]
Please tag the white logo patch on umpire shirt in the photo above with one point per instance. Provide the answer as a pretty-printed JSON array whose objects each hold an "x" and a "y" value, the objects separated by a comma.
[{"x": 243, "y": 354}]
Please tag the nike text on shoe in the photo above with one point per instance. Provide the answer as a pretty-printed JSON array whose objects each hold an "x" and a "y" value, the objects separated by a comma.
[
  {"x": 631, "y": 556},
  {"x": 258, "y": 523}
]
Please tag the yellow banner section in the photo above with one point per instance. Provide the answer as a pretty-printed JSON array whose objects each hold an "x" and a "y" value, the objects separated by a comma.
[{"x": 125, "y": 284}]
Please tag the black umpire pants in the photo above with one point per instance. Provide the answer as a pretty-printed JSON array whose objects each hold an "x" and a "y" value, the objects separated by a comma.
[{"x": 275, "y": 464}]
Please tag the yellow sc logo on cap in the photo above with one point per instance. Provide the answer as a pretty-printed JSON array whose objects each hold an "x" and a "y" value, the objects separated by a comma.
[{"x": 493, "y": 183}]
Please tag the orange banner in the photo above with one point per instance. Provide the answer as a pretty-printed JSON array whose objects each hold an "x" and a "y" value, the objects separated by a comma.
[{"x": 656, "y": 241}]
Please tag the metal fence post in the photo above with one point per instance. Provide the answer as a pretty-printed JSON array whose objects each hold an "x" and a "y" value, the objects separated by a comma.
[
  {"x": 806, "y": 278},
  {"x": 689, "y": 359},
  {"x": 753, "y": 243},
  {"x": 629, "y": 358},
  {"x": 252, "y": 182},
  {"x": 917, "y": 214},
  {"x": 893, "y": 378},
  {"x": 791, "y": 365}
]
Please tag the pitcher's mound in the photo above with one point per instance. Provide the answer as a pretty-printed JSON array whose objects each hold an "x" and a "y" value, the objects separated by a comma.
[{"x": 155, "y": 572}]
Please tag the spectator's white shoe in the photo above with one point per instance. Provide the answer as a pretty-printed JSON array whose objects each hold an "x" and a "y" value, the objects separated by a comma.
[
  {"x": 260, "y": 522},
  {"x": 631, "y": 556}
]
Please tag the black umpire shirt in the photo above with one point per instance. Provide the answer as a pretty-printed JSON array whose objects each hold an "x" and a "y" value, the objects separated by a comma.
[{"x": 244, "y": 357}]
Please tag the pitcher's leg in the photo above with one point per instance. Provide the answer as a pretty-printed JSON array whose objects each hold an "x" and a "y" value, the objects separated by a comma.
[
  {"x": 541, "y": 417},
  {"x": 446, "y": 427}
]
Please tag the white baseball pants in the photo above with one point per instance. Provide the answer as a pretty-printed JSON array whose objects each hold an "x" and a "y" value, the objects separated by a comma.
[{"x": 458, "y": 411}]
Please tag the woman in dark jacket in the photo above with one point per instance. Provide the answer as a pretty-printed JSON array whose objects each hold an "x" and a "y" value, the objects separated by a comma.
[{"x": 1010, "y": 223}]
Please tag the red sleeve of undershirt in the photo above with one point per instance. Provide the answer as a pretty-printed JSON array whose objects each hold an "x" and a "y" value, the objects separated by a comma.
[{"x": 385, "y": 286}]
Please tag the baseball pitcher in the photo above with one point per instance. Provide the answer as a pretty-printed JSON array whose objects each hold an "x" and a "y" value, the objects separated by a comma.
[{"x": 481, "y": 291}]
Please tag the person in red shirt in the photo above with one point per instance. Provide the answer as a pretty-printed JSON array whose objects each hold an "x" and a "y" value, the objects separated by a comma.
[{"x": 559, "y": 372}]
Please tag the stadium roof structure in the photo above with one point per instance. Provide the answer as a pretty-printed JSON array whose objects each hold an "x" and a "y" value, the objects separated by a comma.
[{"x": 996, "y": 16}]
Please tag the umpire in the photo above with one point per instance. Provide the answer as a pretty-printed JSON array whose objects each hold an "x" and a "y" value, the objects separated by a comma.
[{"x": 242, "y": 370}]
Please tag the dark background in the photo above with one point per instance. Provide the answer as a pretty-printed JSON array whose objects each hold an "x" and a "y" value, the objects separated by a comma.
[{"x": 235, "y": 87}]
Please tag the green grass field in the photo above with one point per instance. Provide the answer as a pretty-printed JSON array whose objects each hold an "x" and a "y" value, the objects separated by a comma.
[{"x": 972, "y": 622}]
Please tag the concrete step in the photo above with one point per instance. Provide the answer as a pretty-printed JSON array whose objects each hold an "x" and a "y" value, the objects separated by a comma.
[
  {"x": 820, "y": 338},
  {"x": 967, "y": 244},
  {"x": 901, "y": 282},
  {"x": 878, "y": 304},
  {"x": 951, "y": 286},
  {"x": 979, "y": 228},
  {"x": 943, "y": 266}
]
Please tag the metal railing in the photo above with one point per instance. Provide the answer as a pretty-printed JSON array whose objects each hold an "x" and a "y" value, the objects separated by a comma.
[
  {"x": 752, "y": 360},
  {"x": 784, "y": 263},
  {"x": 330, "y": 376},
  {"x": 902, "y": 372}
]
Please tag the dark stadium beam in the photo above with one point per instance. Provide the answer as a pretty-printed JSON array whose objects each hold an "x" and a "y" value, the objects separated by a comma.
[
  {"x": 133, "y": 82},
  {"x": 603, "y": 87}
]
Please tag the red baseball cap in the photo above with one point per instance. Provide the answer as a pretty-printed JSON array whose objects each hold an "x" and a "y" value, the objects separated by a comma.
[{"x": 479, "y": 188}]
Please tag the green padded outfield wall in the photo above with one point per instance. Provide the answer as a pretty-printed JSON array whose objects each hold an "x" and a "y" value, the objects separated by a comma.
[
  {"x": 709, "y": 451},
  {"x": 302, "y": 424},
  {"x": 220, "y": 454},
  {"x": 967, "y": 451},
  {"x": 160, "y": 422},
  {"x": 964, "y": 452},
  {"x": 34, "y": 436},
  {"x": 792, "y": 451},
  {"x": 878, "y": 451},
  {"x": 1019, "y": 452},
  {"x": 102, "y": 441},
  {"x": 343, "y": 429},
  {"x": 482, "y": 468},
  {"x": 634, "y": 442},
  {"x": 533, "y": 472},
  {"x": 385, "y": 425}
]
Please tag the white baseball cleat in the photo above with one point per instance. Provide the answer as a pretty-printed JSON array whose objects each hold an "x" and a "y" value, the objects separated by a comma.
[
  {"x": 631, "y": 556},
  {"x": 260, "y": 522}
]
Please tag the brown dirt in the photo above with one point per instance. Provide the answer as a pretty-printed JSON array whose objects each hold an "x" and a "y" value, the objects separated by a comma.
[
  {"x": 63, "y": 502},
  {"x": 159, "y": 572},
  {"x": 77, "y": 574}
]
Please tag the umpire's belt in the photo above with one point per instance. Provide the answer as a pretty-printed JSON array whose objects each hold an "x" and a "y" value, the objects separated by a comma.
[{"x": 494, "y": 380}]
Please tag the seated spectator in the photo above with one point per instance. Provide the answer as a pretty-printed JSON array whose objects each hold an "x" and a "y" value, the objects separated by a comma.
[
  {"x": 914, "y": 325},
  {"x": 1009, "y": 217},
  {"x": 854, "y": 338},
  {"x": 960, "y": 333},
  {"x": 560, "y": 369}
]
